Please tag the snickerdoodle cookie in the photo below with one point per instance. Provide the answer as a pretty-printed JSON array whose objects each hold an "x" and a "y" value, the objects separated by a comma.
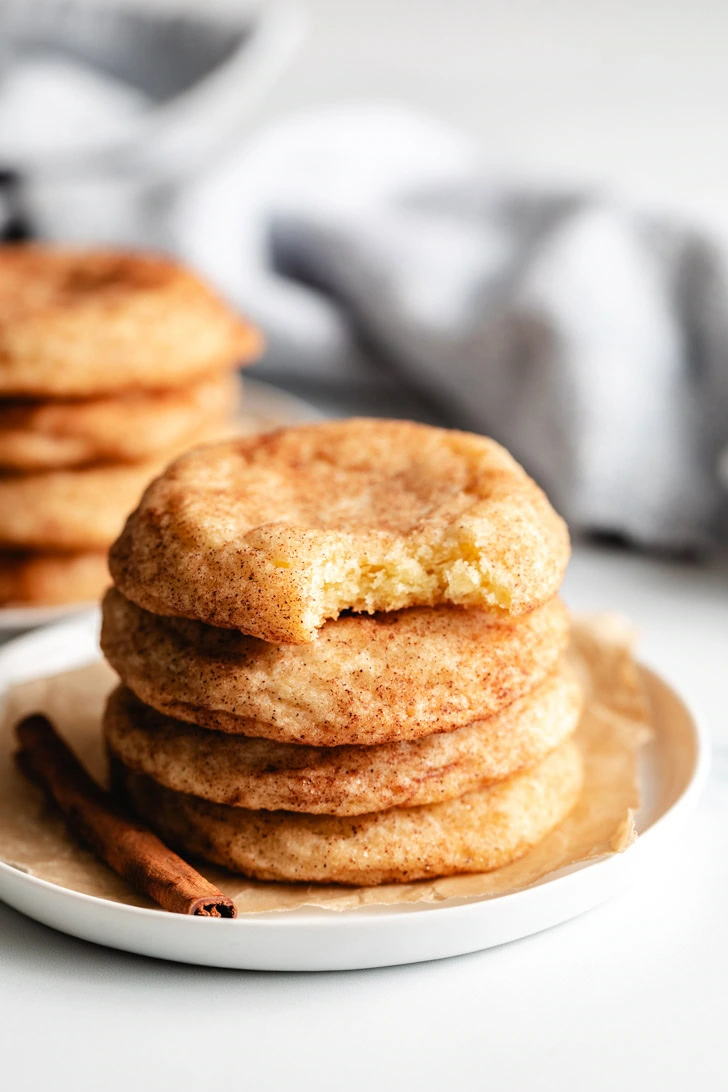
[
  {"x": 75, "y": 323},
  {"x": 477, "y": 832},
  {"x": 130, "y": 427},
  {"x": 275, "y": 534},
  {"x": 261, "y": 774},
  {"x": 365, "y": 680},
  {"x": 50, "y": 579},
  {"x": 79, "y": 509}
]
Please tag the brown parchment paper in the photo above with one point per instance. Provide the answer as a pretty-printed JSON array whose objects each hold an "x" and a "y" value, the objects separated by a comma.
[{"x": 614, "y": 726}]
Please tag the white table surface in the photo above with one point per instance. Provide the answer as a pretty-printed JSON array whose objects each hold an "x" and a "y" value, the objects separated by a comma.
[{"x": 630, "y": 996}]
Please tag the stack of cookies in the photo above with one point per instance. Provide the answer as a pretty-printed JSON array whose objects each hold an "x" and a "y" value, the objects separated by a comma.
[
  {"x": 110, "y": 364},
  {"x": 342, "y": 656}
]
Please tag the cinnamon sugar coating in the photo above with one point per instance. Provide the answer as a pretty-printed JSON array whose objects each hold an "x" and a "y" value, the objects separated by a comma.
[
  {"x": 130, "y": 427},
  {"x": 365, "y": 680},
  {"x": 262, "y": 774},
  {"x": 75, "y": 323},
  {"x": 51, "y": 579},
  {"x": 275, "y": 534},
  {"x": 477, "y": 832}
]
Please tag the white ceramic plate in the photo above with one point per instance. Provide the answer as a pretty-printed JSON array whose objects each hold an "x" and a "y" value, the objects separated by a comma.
[
  {"x": 261, "y": 401},
  {"x": 674, "y": 770}
]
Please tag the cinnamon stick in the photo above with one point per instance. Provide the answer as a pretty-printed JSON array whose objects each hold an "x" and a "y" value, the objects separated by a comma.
[{"x": 127, "y": 846}]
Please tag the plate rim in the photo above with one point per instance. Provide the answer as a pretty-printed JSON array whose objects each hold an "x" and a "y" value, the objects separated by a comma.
[{"x": 310, "y": 916}]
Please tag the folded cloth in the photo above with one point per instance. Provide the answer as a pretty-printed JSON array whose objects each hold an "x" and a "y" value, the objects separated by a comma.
[{"x": 589, "y": 337}]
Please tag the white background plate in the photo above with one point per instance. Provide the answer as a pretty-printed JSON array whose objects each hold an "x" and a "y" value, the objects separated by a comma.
[
  {"x": 260, "y": 401},
  {"x": 674, "y": 769}
]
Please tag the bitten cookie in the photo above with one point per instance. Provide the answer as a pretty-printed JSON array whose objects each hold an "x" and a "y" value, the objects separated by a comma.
[{"x": 275, "y": 534}]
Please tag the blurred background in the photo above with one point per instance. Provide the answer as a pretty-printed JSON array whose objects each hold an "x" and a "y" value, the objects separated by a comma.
[{"x": 510, "y": 218}]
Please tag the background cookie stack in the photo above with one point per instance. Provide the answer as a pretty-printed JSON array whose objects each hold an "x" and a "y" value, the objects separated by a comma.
[
  {"x": 429, "y": 736},
  {"x": 110, "y": 364}
]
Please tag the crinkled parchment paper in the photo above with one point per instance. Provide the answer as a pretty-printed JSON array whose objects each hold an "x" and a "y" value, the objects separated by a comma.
[{"x": 614, "y": 726}]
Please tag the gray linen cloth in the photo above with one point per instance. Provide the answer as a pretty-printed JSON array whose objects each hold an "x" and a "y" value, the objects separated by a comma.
[{"x": 588, "y": 337}]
